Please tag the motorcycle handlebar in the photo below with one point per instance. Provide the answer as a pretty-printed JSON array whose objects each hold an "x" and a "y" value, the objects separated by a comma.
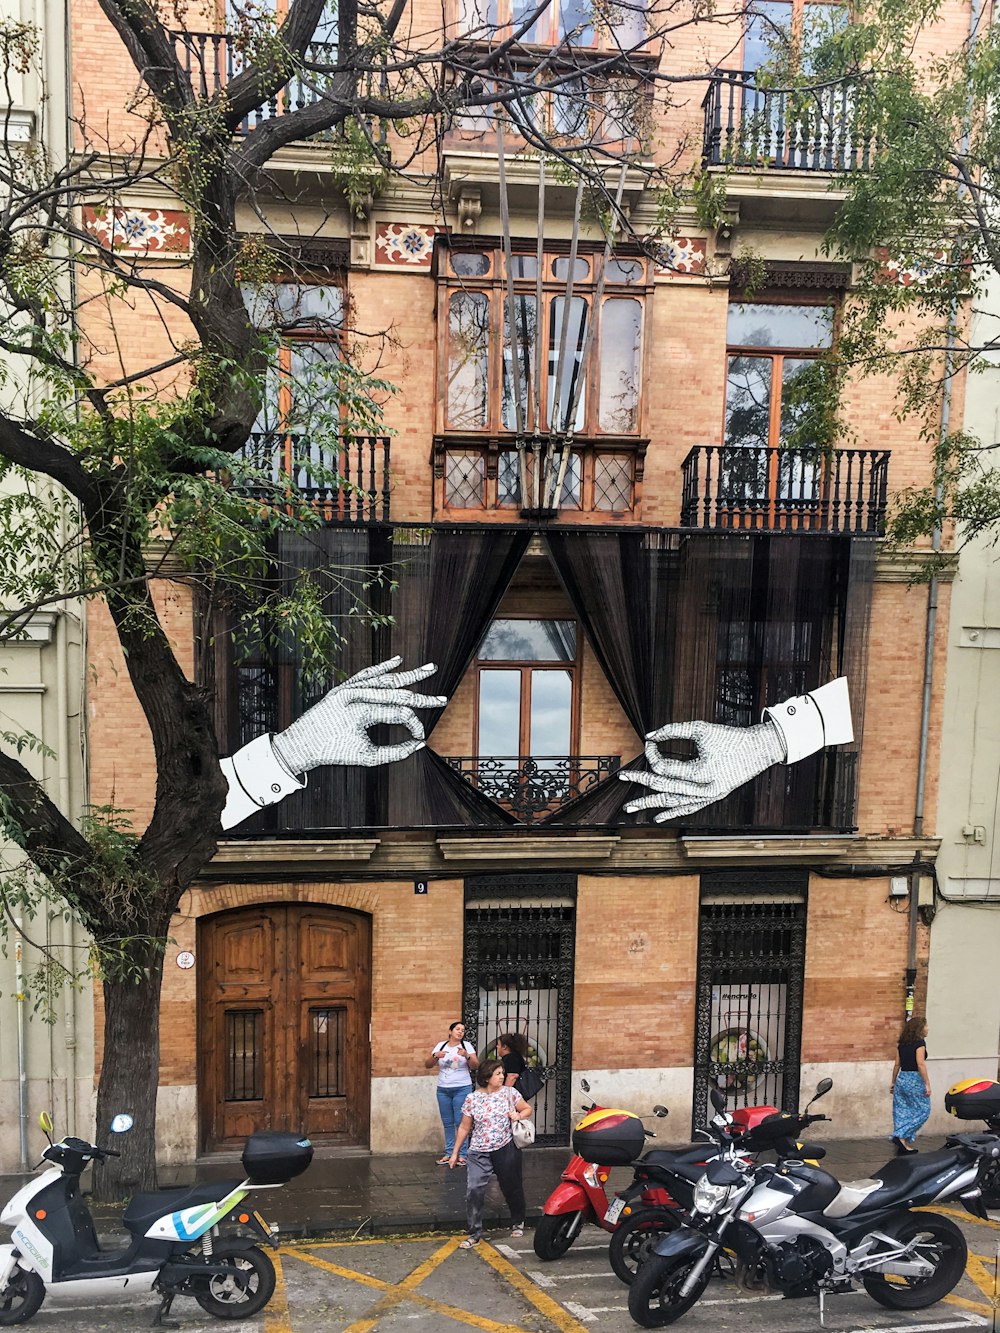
[{"x": 108, "y": 1152}]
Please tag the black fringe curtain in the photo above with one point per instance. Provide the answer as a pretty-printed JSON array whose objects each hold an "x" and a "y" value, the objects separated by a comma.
[
  {"x": 441, "y": 589},
  {"x": 715, "y": 627}
]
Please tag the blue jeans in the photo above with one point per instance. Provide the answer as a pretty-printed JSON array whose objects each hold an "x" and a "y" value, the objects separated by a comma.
[{"x": 450, "y": 1101}]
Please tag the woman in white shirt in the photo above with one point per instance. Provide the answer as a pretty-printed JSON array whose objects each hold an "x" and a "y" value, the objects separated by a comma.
[{"x": 455, "y": 1060}]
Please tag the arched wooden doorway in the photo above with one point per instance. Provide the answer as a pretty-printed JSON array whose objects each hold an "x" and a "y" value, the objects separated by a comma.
[{"x": 284, "y": 1011}]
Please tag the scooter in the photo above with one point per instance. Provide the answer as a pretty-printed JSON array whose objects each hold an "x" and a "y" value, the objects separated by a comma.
[
  {"x": 195, "y": 1241},
  {"x": 979, "y": 1099}
]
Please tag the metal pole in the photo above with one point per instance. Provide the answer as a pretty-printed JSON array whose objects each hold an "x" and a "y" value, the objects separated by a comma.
[
  {"x": 22, "y": 1068},
  {"x": 550, "y": 500},
  {"x": 911, "y": 944},
  {"x": 515, "y": 367}
]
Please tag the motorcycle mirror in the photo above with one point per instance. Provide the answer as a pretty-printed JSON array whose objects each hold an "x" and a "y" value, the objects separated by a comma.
[
  {"x": 45, "y": 1121},
  {"x": 584, "y": 1085},
  {"x": 718, "y": 1099},
  {"x": 660, "y": 1111},
  {"x": 823, "y": 1087},
  {"x": 122, "y": 1123}
]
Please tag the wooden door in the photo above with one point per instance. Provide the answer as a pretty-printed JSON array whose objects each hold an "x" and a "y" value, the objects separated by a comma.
[{"x": 283, "y": 1023}]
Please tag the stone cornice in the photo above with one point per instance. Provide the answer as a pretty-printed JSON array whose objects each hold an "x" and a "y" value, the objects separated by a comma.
[{"x": 912, "y": 566}]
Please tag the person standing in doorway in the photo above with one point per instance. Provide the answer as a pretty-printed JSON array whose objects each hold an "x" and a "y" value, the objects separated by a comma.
[
  {"x": 455, "y": 1061},
  {"x": 512, "y": 1052},
  {"x": 487, "y": 1116},
  {"x": 911, "y": 1086}
]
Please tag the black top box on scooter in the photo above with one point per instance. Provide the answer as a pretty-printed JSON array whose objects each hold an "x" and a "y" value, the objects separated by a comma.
[
  {"x": 974, "y": 1099},
  {"x": 273, "y": 1158},
  {"x": 609, "y": 1137}
]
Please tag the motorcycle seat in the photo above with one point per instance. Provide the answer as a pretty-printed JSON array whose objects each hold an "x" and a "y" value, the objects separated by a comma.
[
  {"x": 852, "y": 1194},
  {"x": 670, "y": 1157},
  {"x": 903, "y": 1173},
  {"x": 144, "y": 1209}
]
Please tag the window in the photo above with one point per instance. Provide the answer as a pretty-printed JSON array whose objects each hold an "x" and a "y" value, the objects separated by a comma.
[
  {"x": 574, "y": 359},
  {"x": 525, "y": 706},
  {"x": 581, "y": 23},
  {"x": 793, "y": 28},
  {"x": 776, "y": 384}
]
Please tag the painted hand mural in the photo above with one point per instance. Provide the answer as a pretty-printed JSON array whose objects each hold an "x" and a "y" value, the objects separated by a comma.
[
  {"x": 728, "y": 757},
  {"x": 333, "y": 731}
]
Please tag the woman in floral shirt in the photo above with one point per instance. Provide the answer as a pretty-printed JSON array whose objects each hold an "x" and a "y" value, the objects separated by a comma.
[{"x": 487, "y": 1115}]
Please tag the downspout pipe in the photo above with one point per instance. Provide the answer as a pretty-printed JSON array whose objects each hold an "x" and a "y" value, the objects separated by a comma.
[{"x": 933, "y": 589}]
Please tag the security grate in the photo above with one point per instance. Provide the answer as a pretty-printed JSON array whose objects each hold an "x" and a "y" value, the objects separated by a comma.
[
  {"x": 244, "y": 1033},
  {"x": 326, "y": 1055},
  {"x": 518, "y": 977},
  {"x": 751, "y": 961}
]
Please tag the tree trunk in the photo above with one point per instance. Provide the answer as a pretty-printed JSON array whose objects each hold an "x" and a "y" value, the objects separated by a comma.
[{"x": 130, "y": 1075}]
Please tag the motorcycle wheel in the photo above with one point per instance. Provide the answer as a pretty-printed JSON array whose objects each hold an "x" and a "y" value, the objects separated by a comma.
[
  {"x": 631, "y": 1242},
  {"x": 25, "y": 1293},
  {"x": 942, "y": 1243},
  {"x": 554, "y": 1234},
  {"x": 653, "y": 1298},
  {"x": 243, "y": 1293}
]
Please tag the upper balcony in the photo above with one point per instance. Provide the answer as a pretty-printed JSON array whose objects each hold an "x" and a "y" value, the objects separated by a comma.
[
  {"x": 815, "y": 130},
  {"x": 758, "y": 489},
  {"x": 346, "y": 479}
]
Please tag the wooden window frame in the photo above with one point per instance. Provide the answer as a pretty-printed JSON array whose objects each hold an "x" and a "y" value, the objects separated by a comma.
[{"x": 527, "y": 668}]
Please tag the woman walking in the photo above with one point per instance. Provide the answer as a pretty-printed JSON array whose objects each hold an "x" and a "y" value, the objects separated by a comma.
[
  {"x": 487, "y": 1116},
  {"x": 455, "y": 1060},
  {"x": 911, "y": 1086}
]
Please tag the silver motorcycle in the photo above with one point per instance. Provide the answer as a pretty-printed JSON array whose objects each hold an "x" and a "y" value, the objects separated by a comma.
[{"x": 796, "y": 1230}]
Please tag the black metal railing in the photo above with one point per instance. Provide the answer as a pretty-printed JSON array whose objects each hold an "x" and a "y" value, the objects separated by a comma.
[
  {"x": 345, "y": 478},
  {"x": 533, "y": 787},
  {"x": 763, "y": 489},
  {"x": 814, "y": 129},
  {"x": 210, "y": 60}
]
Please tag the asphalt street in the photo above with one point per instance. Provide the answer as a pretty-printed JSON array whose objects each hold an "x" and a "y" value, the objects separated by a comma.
[{"x": 426, "y": 1284}]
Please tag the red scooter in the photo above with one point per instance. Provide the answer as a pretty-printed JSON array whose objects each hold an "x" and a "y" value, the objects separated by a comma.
[{"x": 581, "y": 1196}]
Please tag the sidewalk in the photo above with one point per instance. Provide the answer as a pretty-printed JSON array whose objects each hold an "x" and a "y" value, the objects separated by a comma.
[{"x": 367, "y": 1194}]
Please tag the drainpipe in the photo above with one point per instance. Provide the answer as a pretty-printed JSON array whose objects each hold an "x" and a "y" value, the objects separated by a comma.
[
  {"x": 22, "y": 1068},
  {"x": 975, "y": 14}
]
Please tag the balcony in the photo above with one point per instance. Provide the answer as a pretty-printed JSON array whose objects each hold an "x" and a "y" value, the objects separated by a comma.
[
  {"x": 819, "y": 129},
  {"x": 757, "y": 489},
  {"x": 345, "y": 479},
  {"x": 533, "y": 788},
  {"x": 210, "y": 61}
]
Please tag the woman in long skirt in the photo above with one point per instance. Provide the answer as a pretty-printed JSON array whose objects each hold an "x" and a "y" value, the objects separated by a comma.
[{"x": 911, "y": 1086}]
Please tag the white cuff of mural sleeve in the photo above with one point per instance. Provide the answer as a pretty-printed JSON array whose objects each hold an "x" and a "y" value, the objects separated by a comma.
[
  {"x": 812, "y": 721},
  {"x": 256, "y": 778}
]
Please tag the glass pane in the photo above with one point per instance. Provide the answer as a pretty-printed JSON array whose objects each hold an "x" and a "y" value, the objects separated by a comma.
[
  {"x": 526, "y": 325},
  {"x": 571, "y": 109},
  {"x": 628, "y": 271},
  {"x": 530, "y": 641},
  {"x": 326, "y": 1054},
  {"x": 524, "y": 266},
  {"x": 475, "y": 15},
  {"x": 472, "y": 265},
  {"x": 621, "y": 340},
  {"x": 803, "y": 394},
  {"x": 560, "y": 269},
  {"x": 613, "y": 482},
  {"x": 313, "y": 384},
  {"x": 464, "y": 480},
  {"x": 576, "y": 21},
  {"x": 499, "y": 713},
  {"x": 509, "y": 478},
  {"x": 767, "y": 31},
  {"x": 820, "y": 22},
  {"x": 244, "y": 1055},
  {"x": 565, "y": 370},
  {"x": 757, "y": 324},
  {"x": 571, "y": 495},
  {"x": 551, "y": 705},
  {"x": 748, "y": 401},
  {"x": 539, "y": 30},
  {"x": 468, "y": 360}
]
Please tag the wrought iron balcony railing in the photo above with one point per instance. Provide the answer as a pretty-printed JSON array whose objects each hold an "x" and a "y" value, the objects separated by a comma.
[
  {"x": 758, "y": 489},
  {"x": 210, "y": 60},
  {"x": 345, "y": 478},
  {"x": 821, "y": 129},
  {"x": 533, "y": 787}
]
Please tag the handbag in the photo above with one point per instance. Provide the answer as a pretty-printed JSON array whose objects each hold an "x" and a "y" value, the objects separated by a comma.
[
  {"x": 529, "y": 1083},
  {"x": 523, "y": 1132}
]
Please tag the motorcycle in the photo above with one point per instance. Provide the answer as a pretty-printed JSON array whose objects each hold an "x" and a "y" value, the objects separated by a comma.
[
  {"x": 196, "y": 1241},
  {"x": 796, "y": 1230},
  {"x": 662, "y": 1190},
  {"x": 979, "y": 1099},
  {"x": 580, "y": 1195}
]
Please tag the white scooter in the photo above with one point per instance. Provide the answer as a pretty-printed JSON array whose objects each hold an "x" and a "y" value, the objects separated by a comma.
[{"x": 198, "y": 1241}]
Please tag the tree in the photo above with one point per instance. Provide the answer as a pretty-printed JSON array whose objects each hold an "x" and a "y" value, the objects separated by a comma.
[{"x": 110, "y": 474}]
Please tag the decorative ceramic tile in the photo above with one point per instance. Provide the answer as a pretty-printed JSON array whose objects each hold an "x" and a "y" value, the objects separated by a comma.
[
  {"x": 404, "y": 244},
  {"x": 144, "y": 231},
  {"x": 681, "y": 254},
  {"x": 911, "y": 275}
]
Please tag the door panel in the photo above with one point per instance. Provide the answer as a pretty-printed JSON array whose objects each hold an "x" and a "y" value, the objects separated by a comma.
[{"x": 285, "y": 1005}]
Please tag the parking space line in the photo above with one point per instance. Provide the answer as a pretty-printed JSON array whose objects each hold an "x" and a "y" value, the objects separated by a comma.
[
  {"x": 552, "y": 1310},
  {"x": 984, "y": 1279},
  {"x": 365, "y": 1279},
  {"x": 963, "y": 1216},
  {"x": 276, "y": 1316}
]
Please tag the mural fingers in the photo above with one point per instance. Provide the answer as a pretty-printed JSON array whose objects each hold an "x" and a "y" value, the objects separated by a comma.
[
  {"x": 391, "y": 754},
  {"x": 376, "y": 695},
  {"x": 373, "y": 714}
]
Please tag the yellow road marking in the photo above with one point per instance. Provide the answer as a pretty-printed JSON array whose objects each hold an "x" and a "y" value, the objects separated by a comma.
[
  {"x": 984, "y": 1279},
  {"x": 276, "y": 1316},
  {"x": 425, "y": 1239},
  {"x": 960, "y": 1301},
  {"x": 394, "y": 1293},
  {"x": 543, "y": 1303},
  {"x": 963, "y": 1216}
]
